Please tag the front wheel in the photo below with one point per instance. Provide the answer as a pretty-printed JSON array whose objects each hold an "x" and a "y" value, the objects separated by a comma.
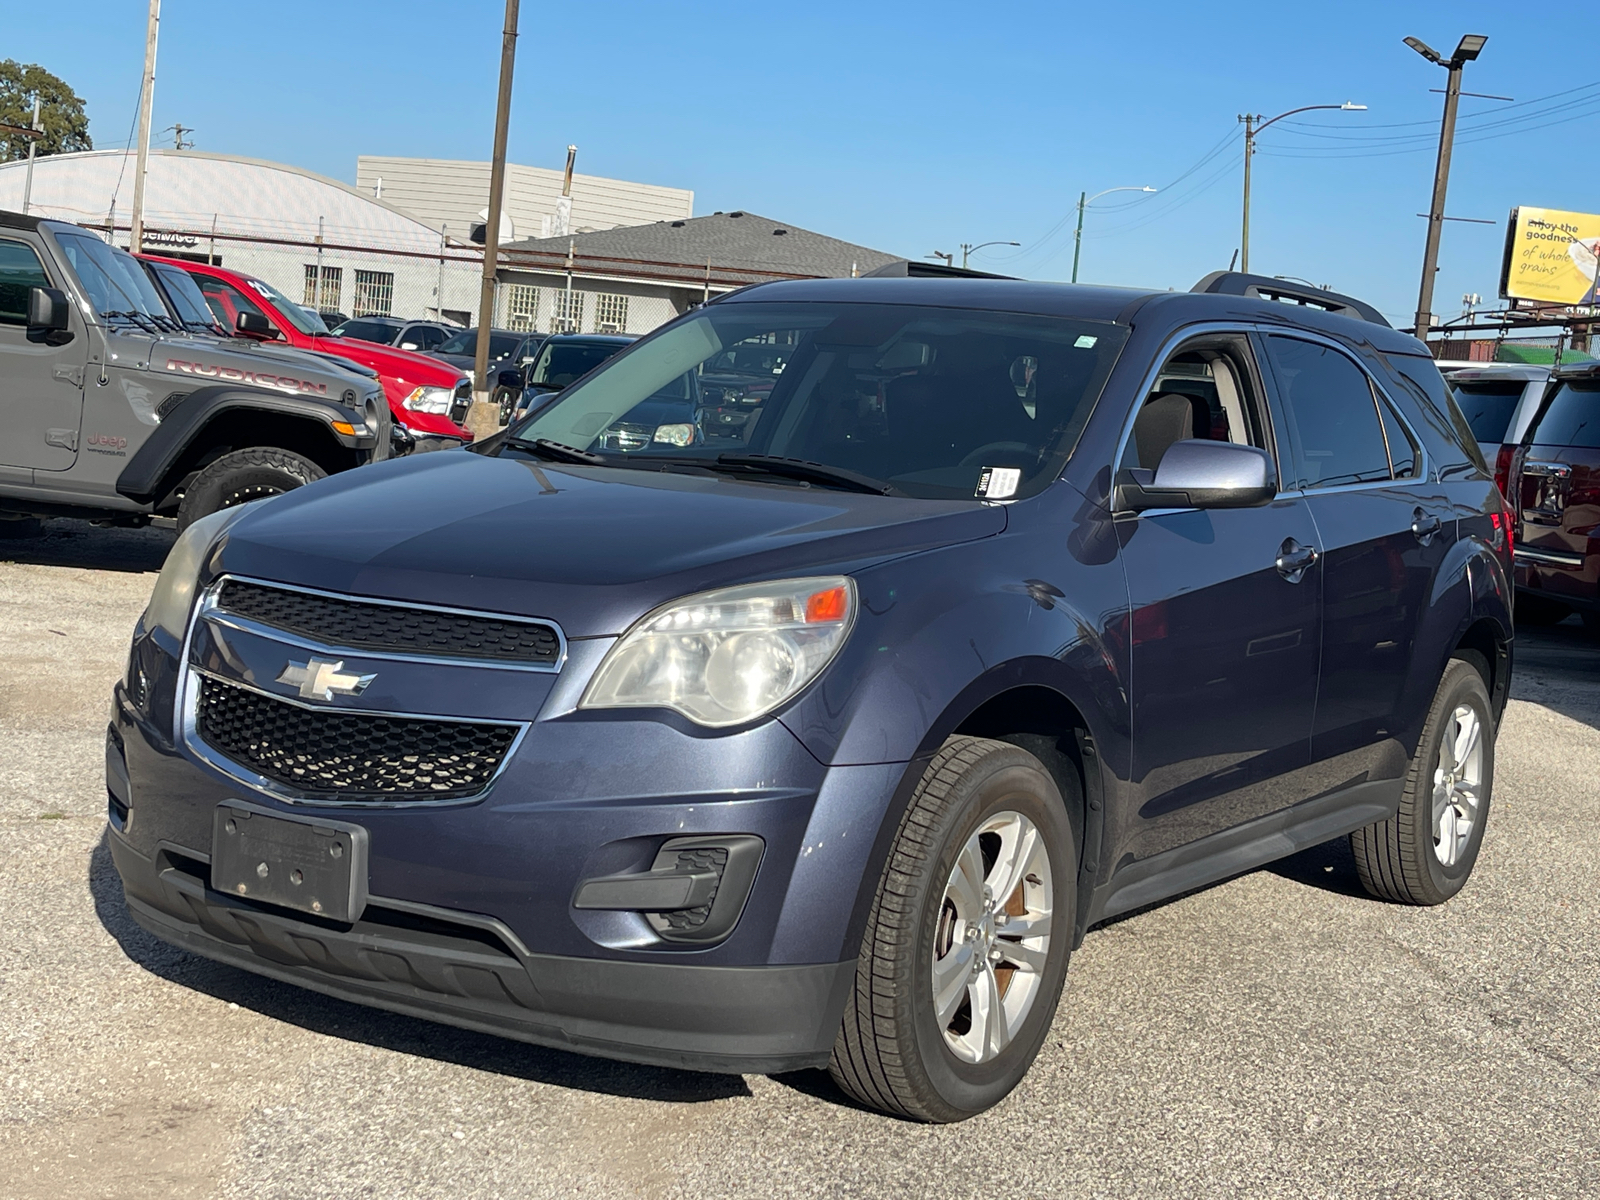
[
  {"x": 243, "y": 476},
  {"x": 1426, "y": 851},
  {"x": 966, "y": 945}
]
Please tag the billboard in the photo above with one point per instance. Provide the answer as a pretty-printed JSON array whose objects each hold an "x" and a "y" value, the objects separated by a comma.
[{"x": 1552, "y": 256}]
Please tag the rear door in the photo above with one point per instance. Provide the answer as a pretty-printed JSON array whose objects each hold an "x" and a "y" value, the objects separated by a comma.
[
  {"x": 1385, "y": 528},
  {"x": 41, "y": 385}
]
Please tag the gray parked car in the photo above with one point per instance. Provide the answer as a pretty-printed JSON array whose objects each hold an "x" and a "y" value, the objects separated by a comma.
[{"x": 1498, "y": 401}]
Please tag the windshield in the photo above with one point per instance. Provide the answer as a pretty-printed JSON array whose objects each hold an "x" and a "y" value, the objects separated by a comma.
[
  {"x": 301, "y": 317},
  {"x": 186, "y": 298},
  {"x": 566, "y": 362},
  {"x": 932, "y": 402},
  {"x": 114, "y": 281},
  {"x": 1571, "y": 417},
  {"x": 501, "y": 345},
  {"x": 382, "y": 332},
  {"x": 1488, "y": 405}
]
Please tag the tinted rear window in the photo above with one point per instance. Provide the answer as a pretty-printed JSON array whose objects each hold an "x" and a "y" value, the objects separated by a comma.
[
  {"x": 1571, "y": 417},
  {"x": 1488, "y": 406}
]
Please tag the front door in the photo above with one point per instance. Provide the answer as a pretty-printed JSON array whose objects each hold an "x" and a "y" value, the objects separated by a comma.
[
  {"x": 1385, "y": 529},
  {"x": 1224, "y": 627},
  {"x": 41, "y": 385}
]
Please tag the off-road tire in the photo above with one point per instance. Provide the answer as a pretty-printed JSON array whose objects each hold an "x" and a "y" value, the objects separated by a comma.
[
  {"x": 890, "y": 1054},
  {"x": 1395, "y": 858},
  {"x": 242, "y": 476}
]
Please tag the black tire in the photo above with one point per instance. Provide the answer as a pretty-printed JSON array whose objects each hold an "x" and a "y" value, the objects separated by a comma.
[
  {"x": 891, "y": 1053},
  {"x": 21, "y": 530},
  {"x": 1397, "y": 859},
  {"x": 1540, "y": 610},
  {"x": 242, "y": 476},
  {"x": 1591, "y": 622}
]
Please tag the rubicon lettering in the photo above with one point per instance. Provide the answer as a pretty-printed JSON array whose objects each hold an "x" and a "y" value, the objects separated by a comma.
[{"x": 282, "y": 383}]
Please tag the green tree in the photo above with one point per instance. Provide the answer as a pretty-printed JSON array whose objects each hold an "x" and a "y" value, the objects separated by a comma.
[{"x": 66, "y": 126}]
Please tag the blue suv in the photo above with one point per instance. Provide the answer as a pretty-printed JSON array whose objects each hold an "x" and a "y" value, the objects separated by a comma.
[{"x": 1007, "y": 608}]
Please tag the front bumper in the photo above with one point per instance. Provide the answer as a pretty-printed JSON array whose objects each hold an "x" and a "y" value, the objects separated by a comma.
[{"x": 473, "y": 972}]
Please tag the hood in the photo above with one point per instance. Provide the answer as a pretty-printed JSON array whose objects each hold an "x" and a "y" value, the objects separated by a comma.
[
  {"x": 208, "y": 360},
  {"x": 421, "y": 370},
  {"x": 590, "y": 548}
]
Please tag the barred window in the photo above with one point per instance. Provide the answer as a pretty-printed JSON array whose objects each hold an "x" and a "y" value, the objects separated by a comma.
[
  {"x": 568, "y": 315},
  {"x": 327, "y": 296},
  {"x": 374, "y": 296},
  {"x": 610, "y": 313},
  {"x": 522, "y": 307}
]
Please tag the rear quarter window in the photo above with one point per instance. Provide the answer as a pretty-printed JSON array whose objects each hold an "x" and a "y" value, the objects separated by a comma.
[
  {"x": 1450, "y": 437},
  {"x": 1571, "y": 417}
]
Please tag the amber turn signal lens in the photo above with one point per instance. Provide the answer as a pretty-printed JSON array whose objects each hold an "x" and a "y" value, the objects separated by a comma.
[
  {"x": 831, "y": 605},
  {"x": 345, "y": 428}
]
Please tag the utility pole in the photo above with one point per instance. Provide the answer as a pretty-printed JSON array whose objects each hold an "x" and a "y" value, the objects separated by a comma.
[
  {"x": 484, "y": 418},
  {"x": 562, "y": 225},
  {"x": 1252, "y": 131},
  {"x": 33, "y": 146},
  {"x": 146, "y": 97},
  {"x": 1467, "y": 49}
]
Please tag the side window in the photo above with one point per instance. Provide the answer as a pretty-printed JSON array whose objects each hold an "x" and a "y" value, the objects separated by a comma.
[
  {"x": 226, "y": 300},
  {"x": 1404, "y": 455},
  {"x": 1203, "y": 391},
  {"x": 20, "y": 273},
  {"x": 427, "y": 337},
  {"x": 1332, "y": 416}
]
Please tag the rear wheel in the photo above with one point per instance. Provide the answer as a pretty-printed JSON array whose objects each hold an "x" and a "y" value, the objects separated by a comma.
[
  {"x": 242, "y": 476},
  {"x": 1424, "y": 854},
  {"x": 967, "y": 941}
]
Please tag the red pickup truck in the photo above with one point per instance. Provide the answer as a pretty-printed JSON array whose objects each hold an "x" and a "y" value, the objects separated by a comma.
[{"x": 423, "y": 392}]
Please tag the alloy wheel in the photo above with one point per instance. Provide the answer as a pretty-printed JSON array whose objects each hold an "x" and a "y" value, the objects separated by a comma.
[{"x": 1457, "y": 784}]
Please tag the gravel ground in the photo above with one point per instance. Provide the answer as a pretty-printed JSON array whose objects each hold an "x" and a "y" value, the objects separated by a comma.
[{"x": 1277, "y": 1035}]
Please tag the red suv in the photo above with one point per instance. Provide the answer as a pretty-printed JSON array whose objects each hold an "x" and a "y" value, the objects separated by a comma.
[{"x": 422, "y": 391}]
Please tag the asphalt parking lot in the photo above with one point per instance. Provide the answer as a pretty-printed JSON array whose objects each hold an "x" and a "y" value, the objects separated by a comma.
[{"x": 1277, "y": 1035}]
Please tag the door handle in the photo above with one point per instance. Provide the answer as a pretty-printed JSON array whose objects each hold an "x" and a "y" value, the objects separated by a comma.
[
  {"x": 1424, "y": 525},
  {"x": 1294, "y": 560}
]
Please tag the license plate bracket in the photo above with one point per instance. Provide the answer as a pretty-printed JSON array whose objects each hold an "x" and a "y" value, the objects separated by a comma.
[{"x": 315, "y": 866}]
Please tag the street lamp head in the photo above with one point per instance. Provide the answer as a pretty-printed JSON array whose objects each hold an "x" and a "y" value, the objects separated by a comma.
[
  {"x": 1427, "y": 51},
  {"x": 1349, "y": 107},
  {"x": 1147, "y": 189},
  {"x": 1470, "y": 46}
]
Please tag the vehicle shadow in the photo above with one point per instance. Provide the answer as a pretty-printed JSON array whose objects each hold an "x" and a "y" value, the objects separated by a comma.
[
  {"x": 72, "y": 543},
  {"x": 1558, "y": 667},
  {"x": 390, "y": 1031}
]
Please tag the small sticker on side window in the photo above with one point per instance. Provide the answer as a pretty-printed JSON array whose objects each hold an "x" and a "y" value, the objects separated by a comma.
[
  {"x": 998, "y": 483},
  {"x": 1085, "y": 341}
]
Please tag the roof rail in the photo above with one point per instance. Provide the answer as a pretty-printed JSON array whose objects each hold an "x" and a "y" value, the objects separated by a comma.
[
  {"x": 1284, "y": 291},
  {"x": 906, "y": 268}
]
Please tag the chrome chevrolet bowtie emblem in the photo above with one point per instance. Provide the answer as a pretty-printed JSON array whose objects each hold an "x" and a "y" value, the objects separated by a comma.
[{"x": 319, "y": 679}]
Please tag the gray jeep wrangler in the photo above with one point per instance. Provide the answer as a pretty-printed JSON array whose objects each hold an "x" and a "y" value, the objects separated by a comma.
[{"x": 118, "y": 406}]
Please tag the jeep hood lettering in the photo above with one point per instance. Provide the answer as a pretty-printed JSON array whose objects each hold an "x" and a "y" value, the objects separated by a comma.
[{"x": 591, "y": 548}]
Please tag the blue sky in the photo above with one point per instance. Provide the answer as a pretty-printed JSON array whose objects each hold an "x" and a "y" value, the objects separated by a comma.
[{"x": 913, "y": 127}]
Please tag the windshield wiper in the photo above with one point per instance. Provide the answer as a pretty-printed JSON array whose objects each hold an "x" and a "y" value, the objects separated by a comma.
[
  {"x": 811, "y": 472},
  {"x": 143, "y": 320},
  {"x": 559, "y": 452}
]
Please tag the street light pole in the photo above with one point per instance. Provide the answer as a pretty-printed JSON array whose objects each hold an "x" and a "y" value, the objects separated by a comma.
[
  {"x": 1253, "y": 131},
  {"x": 967, "y": 249},
  {"x": 1084, "y": 200},
  {"x": 483, "y": 418},
  {"x": 33, "y": 146},
  {"x": 1466, "y": 50}
]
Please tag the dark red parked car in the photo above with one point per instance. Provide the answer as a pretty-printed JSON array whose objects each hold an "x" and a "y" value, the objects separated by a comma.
[{"x": 420, "y": 389}]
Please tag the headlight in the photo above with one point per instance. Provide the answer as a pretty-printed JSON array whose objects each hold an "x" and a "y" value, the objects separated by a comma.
[
  {"x": 725, "y": 657},
  {"x": 174, "y": 594},
  {"x": 429, "y": 400}
]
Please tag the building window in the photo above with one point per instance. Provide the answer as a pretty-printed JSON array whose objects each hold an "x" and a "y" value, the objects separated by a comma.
[
  {"x": 568, "y": 314},
  {"x": 327, "y": 296},
  {"x": 610, "y": 313},
  {"x": 522, "y": 307},
  {"x": 374, "y": 295}
]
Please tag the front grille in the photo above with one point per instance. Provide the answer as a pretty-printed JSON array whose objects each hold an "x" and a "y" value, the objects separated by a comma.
[
  {"x": 461, "y": 402},
  {"x": 350, "y": 755},
  {"x": 369, "y": 625}
]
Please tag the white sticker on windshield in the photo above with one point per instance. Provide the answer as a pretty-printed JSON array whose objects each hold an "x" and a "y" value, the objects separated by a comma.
[
  {"x": 1085, "y": 341},
  {"x": 998, "y": 483}
]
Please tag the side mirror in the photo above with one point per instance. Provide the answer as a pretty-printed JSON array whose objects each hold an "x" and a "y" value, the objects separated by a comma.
[
  {"x": 1202, "y": 474},
  {"x": 509, "y": 379},
  {"x": 253, "y": 324},
  {"x": 47, "y": 316}
]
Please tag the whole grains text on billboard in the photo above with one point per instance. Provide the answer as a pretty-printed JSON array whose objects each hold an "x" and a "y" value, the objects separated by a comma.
[{"x": 1551, "y": 255}]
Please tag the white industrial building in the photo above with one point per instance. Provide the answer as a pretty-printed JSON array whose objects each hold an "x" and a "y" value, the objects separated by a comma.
[{"x": 449, "y": 195}]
